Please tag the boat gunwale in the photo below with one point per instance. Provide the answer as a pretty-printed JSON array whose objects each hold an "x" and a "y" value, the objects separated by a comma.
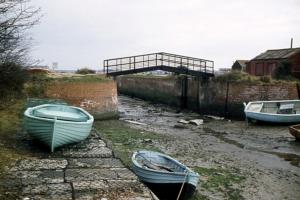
[
  {"x": 28, "y": 114},
  {"x": 270, "y": 114},
  {"x": 188, "y": 173}
]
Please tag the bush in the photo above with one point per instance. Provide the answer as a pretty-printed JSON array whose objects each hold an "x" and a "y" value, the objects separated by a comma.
[
  {"x": 12, "y": 79},
  {"x": 283, "y": 71},
  {"x": 236, "y": 76},
  {"x": 85, "y": 71},
  {"x": 36, "y": 84},
  {"x": 266, "y": 79}
]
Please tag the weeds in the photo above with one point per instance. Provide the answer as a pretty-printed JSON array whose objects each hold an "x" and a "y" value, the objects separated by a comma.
[
  {"x": 10, "y": 123},
  {"x": 221, "y": 180},
  {"x": 125, "y": 140}
]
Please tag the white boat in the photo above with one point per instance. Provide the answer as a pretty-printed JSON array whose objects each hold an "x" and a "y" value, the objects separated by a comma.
[
  {"x": 281, "y": 111},
  {"x": 57, "y": 125}
]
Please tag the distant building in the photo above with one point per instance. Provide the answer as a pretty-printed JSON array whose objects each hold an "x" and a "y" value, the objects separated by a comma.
[
  {"x": 37, "y": 69},
  {"x": 265, "y": 63},
  {"x": 222, "y": 71},
  {"x": 239, "y": 65}
]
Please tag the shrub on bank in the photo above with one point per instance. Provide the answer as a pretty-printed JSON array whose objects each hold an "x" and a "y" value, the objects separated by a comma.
[
  {"x": 12, "y": 79},
  {"x": 265, "y": 79},
  {"x": 36, "y": 84},
  {"x": 284, "y": 72},
  {"x": 85, "y": 71},
  {"x": 236, "y": 76}
]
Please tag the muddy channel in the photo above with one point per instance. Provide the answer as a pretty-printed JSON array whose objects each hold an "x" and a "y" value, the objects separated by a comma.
[{"x": 266, "y": 156}]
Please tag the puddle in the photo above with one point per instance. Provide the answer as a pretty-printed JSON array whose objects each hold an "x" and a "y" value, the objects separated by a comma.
[{"x": 293, "y": 159}]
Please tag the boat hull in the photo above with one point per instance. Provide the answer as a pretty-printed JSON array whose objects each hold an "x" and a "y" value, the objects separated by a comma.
[
  {"x": 165, "y": 191},
  {"x": 295, "y": 131},
  {"x": 273, "y": 118},
  {"x": 55, "y": 133}
]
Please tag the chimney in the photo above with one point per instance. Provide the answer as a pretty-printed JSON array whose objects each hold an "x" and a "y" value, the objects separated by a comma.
[{"x": 291, "y": 43}]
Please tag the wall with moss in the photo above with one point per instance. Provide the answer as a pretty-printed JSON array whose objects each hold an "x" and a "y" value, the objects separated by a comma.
[
  {"x": 156, "y": 89},
  {"x": 214, "y": 97}
]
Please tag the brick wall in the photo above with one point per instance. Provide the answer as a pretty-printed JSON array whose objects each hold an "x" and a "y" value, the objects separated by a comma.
[
  {"x": 98, "y": 98},
  {"x": 228, "y": 98}
]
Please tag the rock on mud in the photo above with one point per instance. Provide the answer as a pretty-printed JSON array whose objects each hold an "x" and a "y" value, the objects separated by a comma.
[
  {"x": 196, "y": 122},
  {"x": 182, "y": 121}
]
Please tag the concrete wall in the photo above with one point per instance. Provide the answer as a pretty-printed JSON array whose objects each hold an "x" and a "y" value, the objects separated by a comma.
[
  {"x": 98, "y": 98},
  {"x": 206, "y": 97},
  {"x": 157, "y": 89}
]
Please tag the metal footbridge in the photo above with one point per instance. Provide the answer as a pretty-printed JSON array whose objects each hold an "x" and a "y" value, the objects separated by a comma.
[{"x": 159, "y": 61}]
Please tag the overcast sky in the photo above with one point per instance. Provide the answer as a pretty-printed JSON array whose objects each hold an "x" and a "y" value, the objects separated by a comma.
[{"x": 81, "y": 33}]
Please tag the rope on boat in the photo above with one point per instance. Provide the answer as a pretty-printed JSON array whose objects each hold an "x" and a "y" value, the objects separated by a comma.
[
  {"x": 155, "y": 166},
  {"x": 180, "y": 191}
]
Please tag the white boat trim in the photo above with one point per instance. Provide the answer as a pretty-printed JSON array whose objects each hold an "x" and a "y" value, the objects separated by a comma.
[{"x": 272, "y": 117}]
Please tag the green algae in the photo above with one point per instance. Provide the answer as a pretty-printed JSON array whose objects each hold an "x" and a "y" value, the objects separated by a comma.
[{"x": 125, "y": 140}]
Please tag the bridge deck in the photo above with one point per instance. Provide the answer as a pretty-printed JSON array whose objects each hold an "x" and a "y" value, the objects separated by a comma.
[{"x": 159, "y": 61}]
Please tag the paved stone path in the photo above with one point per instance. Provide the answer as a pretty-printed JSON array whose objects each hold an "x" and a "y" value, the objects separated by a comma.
[{"x": 87, "y": 170}]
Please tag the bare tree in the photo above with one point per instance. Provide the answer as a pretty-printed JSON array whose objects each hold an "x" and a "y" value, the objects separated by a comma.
[{"x": 16, "y": 17}]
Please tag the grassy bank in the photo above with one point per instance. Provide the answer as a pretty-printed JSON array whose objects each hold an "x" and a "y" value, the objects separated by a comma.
[
  {"x": 10, "y": 123},
  {"x": 221, "y": 180}
]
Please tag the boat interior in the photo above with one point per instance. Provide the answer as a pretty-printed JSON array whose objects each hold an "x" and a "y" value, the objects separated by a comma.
[
  {"x": 288, "y": 107},
  {"x": 60, "y": 112},
  {"x": 158, "y": 162}
]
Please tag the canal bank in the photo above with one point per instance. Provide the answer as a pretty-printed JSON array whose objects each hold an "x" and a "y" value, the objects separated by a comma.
[
  {"x": 86, "y": 170},
  {"x": 205, "y": 96}
]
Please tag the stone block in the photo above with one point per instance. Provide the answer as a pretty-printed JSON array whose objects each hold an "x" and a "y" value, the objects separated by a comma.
[
  {"x": 41, "y": 177},
  {"x": 97, "y": 152},
  {"x": 40, "y": 164},
  {"x": 94, "y": 163},
  {"x": 50, "y": 190},
  {"x": 124, "y": 173},
  {"x": 89, "y": 186},
  {"x": 75, "y": 175}
]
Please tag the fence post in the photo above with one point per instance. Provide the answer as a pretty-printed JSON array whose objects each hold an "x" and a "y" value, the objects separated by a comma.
[{"x": 226, "y": 101}]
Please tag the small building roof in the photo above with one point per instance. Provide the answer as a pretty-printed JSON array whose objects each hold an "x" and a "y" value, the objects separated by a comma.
[
  {"x": 242, "y": 62},
  {"x": 277, "y": 54}
]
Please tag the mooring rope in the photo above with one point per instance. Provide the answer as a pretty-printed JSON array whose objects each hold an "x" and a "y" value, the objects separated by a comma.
[{"x": 182, "y": 186}]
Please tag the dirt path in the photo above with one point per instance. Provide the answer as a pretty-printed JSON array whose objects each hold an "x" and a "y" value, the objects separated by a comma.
[{"x": 236, "y": 160}]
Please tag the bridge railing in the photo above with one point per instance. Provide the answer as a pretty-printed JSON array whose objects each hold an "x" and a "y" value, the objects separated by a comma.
[{"x": 158, "y": 59}]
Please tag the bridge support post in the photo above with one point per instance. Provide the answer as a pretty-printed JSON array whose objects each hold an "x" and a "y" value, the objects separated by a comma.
[{"x": 184, "y": 92}]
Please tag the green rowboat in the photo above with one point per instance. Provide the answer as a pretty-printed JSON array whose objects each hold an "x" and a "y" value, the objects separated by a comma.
[{"x": 57, "y": 125}]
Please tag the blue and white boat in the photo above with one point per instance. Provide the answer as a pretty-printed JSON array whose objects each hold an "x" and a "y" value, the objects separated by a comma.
[
  {"x": 57, "y": 125},
  {"x": 283, "y": 111},
  {"x": 165, "y": 176}
]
